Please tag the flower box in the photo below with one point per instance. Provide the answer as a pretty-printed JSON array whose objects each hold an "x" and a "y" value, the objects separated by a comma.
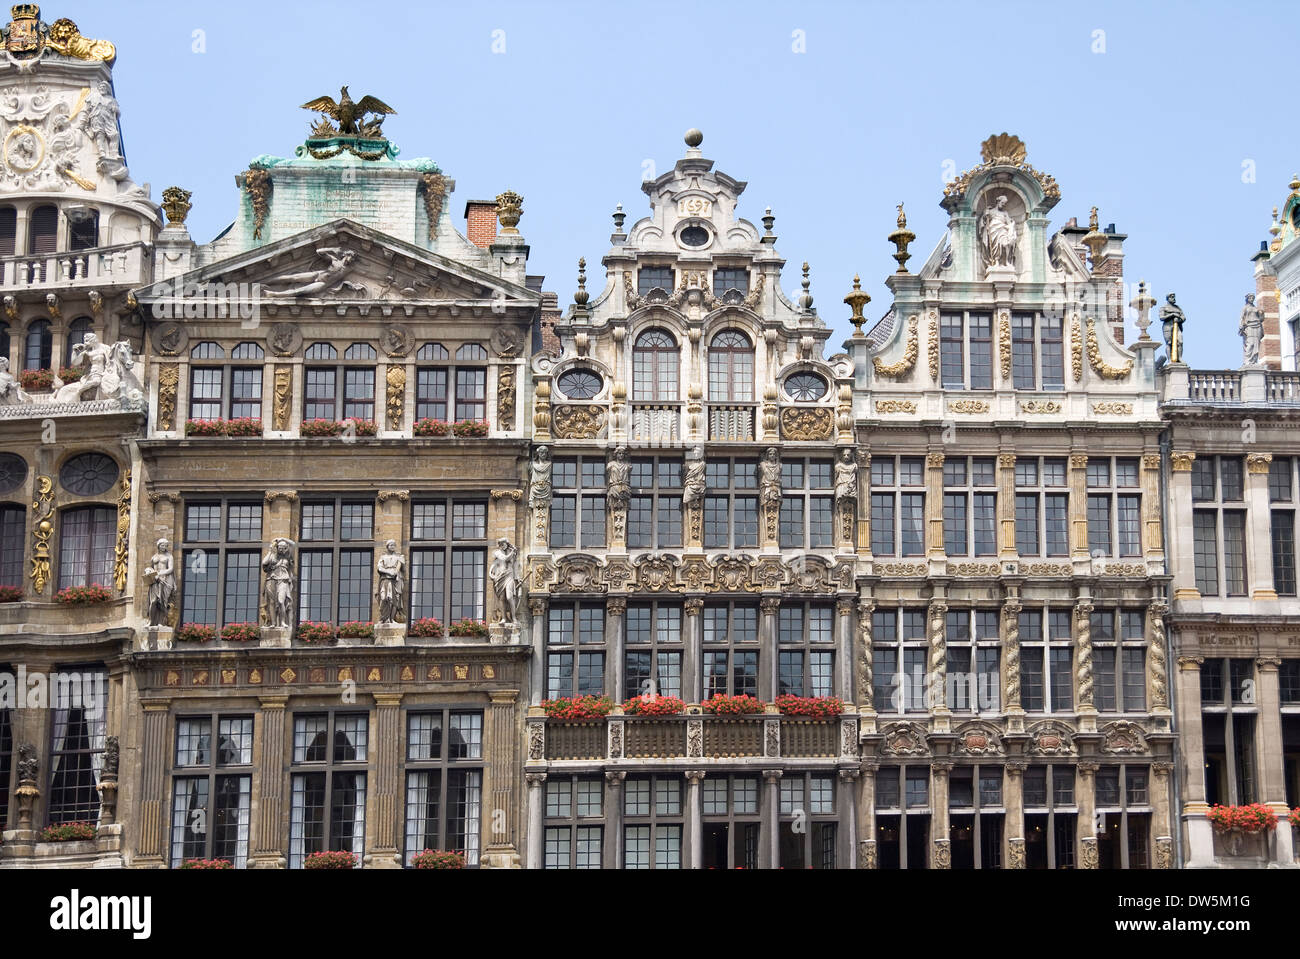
[
  {"x": 315, "y": 634},
  {"x": 1251, "y": 818},
  {"x": 320, "y": 428},
  {"x": 815, "y": 707},
  {"x": 36, "y": 381},
  {"x": 67, "y": 832},
  {"x": 357, "y": 631},
  {"x": 359, "y": 427},
  {"x": 428, "y": 627},
  {"x": 243, "y": 426},
  {"x": 241, "y": 632},
  {"x": 430, "y": 427},
  {"x": 11, "y": 594},
  {"x": 721, "y": 705},
  {"x": 652, "y": 705},
  {"x": 195, "y": 633},
  {"x": 337, "y": 859},
  {"x": 207, "y": 864},
  {"x": 71, "y": 374},
  {"x": 578, "y": 707},
  {"x": 83, "y": 595},
  {"x": 437, "y": 859},
  {"x": 1293, "y": 817},
  {"x": 468, "y": 627},
  {"x": 470, "y": 428},
  {"x": 206, "y": 428}
]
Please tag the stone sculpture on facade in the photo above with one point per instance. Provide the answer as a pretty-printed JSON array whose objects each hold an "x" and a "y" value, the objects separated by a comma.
[
  {"x": 505, "y": 579},
  {"x": 331, "y": 279},
  {"x": 769, "y": 488},
  {"x": 278, "y": 593},
  {"x": 617, "y": 472},
  {"x": 390, "y": 569},
  {"x": 846, "y": 480},
  {"x": 539, "y": 493},
  {"x": 11, "y": 394},
  {"x": 1171, "y": 319},
  {"x": 99, "y": 119},
  {"x": 160, "y": 574},
  {"x": 997, "y": 236},
  {"x": 694, "y": 484},
  {"x": 1251, "y": 330},
  {"x": 108, "y": 372}
]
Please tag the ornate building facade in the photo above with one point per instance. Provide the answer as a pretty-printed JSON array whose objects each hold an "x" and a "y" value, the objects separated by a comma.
[{"x": 1011, "y": 666}]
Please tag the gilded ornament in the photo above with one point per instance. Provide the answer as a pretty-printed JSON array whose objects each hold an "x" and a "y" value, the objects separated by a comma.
[
  {"x": 1113, "y": 409},
  {"x": 807, "y": 424},
  {"x": 969, "y": 406},
  {"x": 1040, "y": 406},
  {"x": 976, "y": 569},
  {"x": 1258, "y": 463},
  {"x": 257, "y": 181},
  {"x": 1076, "y": 350},
  {"x": 578, "y": 422},
  {"x": 176, "y": 204},
  {"x": 909, "y": 355},
  {"x": 901, "y": 569},
  {"x": 282, "y": 397},
  {"x": 65, "y": 38},
  {"x": 1004, "y": 344},
  {"x": 933, "y": 347},
  {"x": 396, "y": 380},
  {"x": 121, "y": 548},
  {"x": 350, "y": 116},
  {"x": 1002, "y": 149},
  {"x": 510, "y": 208},
  {"x": 169, "y": 376},
  {"x": 901, "y": 238},
  {"x": 435, "y": 192},
  {"x": 1151, "y": 461},
  {"x": 895, "y": 406},
  {"x": 42, "y": 531},
  {"x": 1181, "y": 462},
  {"x": 856, "y": 300},
  {"x": 1099, "y": 366}
]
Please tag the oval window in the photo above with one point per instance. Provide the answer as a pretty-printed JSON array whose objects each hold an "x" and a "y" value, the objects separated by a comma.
[
  {"x": 694, "y": 236},
  {"x": 805, "y": 387},
  {"x": 89, "y": 474},
  {"x": 13, "y": 470},
  {"x": 580, "y": 384}
]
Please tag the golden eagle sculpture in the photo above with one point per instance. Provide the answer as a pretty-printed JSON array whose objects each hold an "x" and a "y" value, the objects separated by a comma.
[{"x": 350, "y": 115}]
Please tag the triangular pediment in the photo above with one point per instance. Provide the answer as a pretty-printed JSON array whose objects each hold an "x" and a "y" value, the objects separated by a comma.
[{"x": 343, "y": 262}]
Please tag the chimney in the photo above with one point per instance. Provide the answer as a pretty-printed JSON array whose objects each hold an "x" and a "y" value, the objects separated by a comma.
[
  {"x": 1268, "y": 300},
  {"x": 481, "y": 222}
]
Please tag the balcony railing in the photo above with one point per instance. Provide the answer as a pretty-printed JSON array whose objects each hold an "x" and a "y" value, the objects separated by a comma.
[
  {"x": 730, "y": 738},
  {"x": 1218, "y": 386},
  {"x": 1283, "y": 387},
  {"x": 104, "y": 265},
  {"x": 698, "y": 736},
  {"x": 577, "y": 740},
  {"x": 656, "y": 422},
  {"x": 731, "y": 421}
]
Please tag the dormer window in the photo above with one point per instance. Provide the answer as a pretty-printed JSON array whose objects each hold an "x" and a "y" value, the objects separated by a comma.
[
  {"x": 654, "y": 277},
  {"x": 654, "y": 367},
  {"x": 729, "y": 279}
]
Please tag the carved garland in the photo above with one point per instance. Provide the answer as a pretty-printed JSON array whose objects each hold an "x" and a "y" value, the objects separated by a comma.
[
  {"x": 1076, "y": 351},
  {"x": 169, "y": 375},
  {"x": 895, "y": 406},
  {"x": 122, "y": 547},
  {"x": 435, "y": 191},
  {"x": 807, "y": 424},
  {"x": 1159, "y": 657},
  {"x": 396, "y": 379},
  {"x": 578, "y": 422},
  {"x": 258, "y": 183},
  {"x": 969, "y": 406},
  {"x": 909, "y": 355},
  {"x": 1004, "y": 345},
  {"x": 505, "y": 398},
  {"x": 1099, "y": 366},
  {"x": 934, "y": 347},
  {"x": 42, "y": 531},
  {"x": 1115, "y": 409},
  {"x": 283, "y": 395}
]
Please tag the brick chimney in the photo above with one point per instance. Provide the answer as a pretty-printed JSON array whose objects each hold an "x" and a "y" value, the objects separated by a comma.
[
  {"x": 1268, "y": 300},
  {"x": 481, "y": 222}
]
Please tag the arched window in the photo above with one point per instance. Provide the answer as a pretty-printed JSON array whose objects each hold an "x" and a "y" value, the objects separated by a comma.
[
  {"x": 360, "y": 351},
  {"x": 77, "y": 331},
  {"x": 40, "y": 346},
  {"x": 43, "y": 230},
  {"x": 87, "y": 536},
  {"x": 8, "y": 230},
  {"x": 731, "y": 368},
  {"x": 247, "y": 351},
  {"x": 207, "y": 350},
  {"x": 83, "y": 230},
  {"x": 654, "y": 367}
]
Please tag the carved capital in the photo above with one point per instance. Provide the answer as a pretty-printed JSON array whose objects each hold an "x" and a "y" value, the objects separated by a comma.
[
  {"x": 402, "y": 495},
  {"x": 285, "y": 494},
  {"x": 1007, "y": 461},
  {"x": 934, "y": 460},
  {"x": 770, "y": 604},
  {"x": 1258, "y": 463},
  {"x": 1190, "y": 662},
  {"x": 694, "y": 776},
  {"x": 1181, "y": 462},
  {"x": 693, "y": 606},
  {"x": 1151, "y": 461},
  {"x": 614, "y": 606},
  {"x": 1078, "y": 461},
  {"x": 514, "y": 494},
  {"x": 1269, "y": 662}
]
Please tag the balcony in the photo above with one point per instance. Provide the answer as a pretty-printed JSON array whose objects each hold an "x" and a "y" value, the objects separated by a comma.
[
  {"x": 1284, "y": 388},
  {"x": 125, "y": 264},
  {"x": 688, "y": 736},
  {"x": 1217, "y": 386},
  {"x": 732, "y": 421},
  {"x": 656, "y": 422}
]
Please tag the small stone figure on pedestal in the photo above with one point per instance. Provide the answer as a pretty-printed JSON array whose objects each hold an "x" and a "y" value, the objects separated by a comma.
[
  {"x": 539, "y": 492},
  {"x": 505, "y": 579},
  {"x": 1171, "y": 318},
  {"x": 617, "y": 472},
  {"x": 695, "y": 483},
  {"x": 278, "y": 565},
  {"x": 161, "y": 576},
  {"x": 1251, "y": 330},
  {"x": 390, "y": 568}
]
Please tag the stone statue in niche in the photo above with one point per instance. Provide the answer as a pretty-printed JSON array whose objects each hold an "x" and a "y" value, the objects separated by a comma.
[
  {"x": 539, "y": 492},
  {"x": 278, "y": 592},
  {"x": 846, "y": 480},
  {"x": 1251, "y": 330},
  {"x": 390, "y": 569},
  {"x": 769, "y": 479},
  {"x": 694, "y": 484},
  {"x": 160, "y": 574},
  {"x": 997, "y": 236},
  {"x": 617, "y": 472},
  {"x": 504, "y": 573}
]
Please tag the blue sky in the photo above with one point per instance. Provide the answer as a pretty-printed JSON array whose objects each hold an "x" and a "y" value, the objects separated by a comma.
[{"x": 1179, "y": 131}]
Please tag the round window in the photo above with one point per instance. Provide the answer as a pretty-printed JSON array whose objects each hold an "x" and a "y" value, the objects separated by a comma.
[
  {"x": 13, "y": 470},
  {"x": 580, "y": 384},
  {"x": 694, "y": 236},
  {"x": 805, "y": 387},
  {"x": 89, "y": 474}
]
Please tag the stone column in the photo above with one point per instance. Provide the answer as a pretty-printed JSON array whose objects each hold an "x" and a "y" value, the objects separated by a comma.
[
  {"x": 384, "y": 800},
  {"x": 1160, "y": 825},
  {"x": 1181, "y": 561},
  {"x": 1152, "y": 508},
  {"x": 1199, "y": 832},
  {"x": 867, "y": 854},
  {"x": 1007, "y": 505},
  {"x": 694, "y": 839},
  {"x": 769, "y": 854},
  {"x": 536, "y": 783},
  {"x": 150, "y": 848},
  {"x": 615, "y": 609},
  {"x": 537, "y": 607},
  {"x": 503, "y": 759},
  {"x": 1158, "y": 664},
  {"x": 1079, "y": 506},
  {"x": 937, "y": 678},
  {"x": 767, "y": 643},
  {"x": 847, "y": 844},
  {"x": 864, "y": 694},
  {"x": 844, "y": 636},
  {"x": 934, "y": 505},
  {"x": 1268, "y": 747},
  {"x": 864, "y": 504},
  {"x": 1015, "y": 713},
  {"x": 612, "y": 851},
  {"x": 941, "y": 857},
  {"x": 269, "y": 840},
  {"x": 1259, "y": 540},
  {"x": 1014, "y": 802},
  {"x": 691, "y": 680},
  {"x": 1083, "y": 687},
  {"x": 1086, "y": 801}
]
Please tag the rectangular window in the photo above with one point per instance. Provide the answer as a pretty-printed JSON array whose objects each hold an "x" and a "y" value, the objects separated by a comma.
[
  {"x": 578, "y": 507},
  {"x": 1282, "y": 534},
  {"x": 79, "y": 697},
  {"x": 211, "y": 788},
  {"x": 448, "y": 560},
  {"x": 574, "y": 826},
  {"x": 334, "y": 576},
  {"x": 1205, "y": 547},
  {"x": 444, "y": 782},
  {"x": 653, "y": 822},
  {"x": 1022, "y": 351},
  {"x": 327, "y": 809},
  {"x": 575, "y": 656}
]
